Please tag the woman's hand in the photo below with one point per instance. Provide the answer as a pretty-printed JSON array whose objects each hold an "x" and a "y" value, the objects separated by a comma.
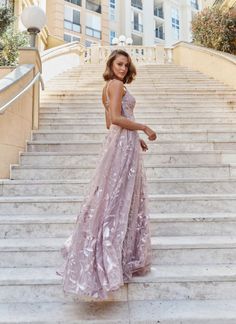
[
  {"x": 143, "y": 145},
  {"x": 150, "y": 133}
]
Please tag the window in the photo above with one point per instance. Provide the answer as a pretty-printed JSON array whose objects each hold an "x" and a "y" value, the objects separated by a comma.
[
  {"x": 112, "y": 35},
  {"x": 194, "y": 4},
  {"x": 93, "y": 25},
  {"x": 158, "y": 11},
  {"x": 72, "y": 19},
  {"x": 70, "y": 38},
  {"x": 137, "y": 22},
  {"x": 88, "y": 43},
  {"x": 137, "y": 4},
  {"x": 94, "y": 5},
  {"x": 76, "y": 2},
  {"x": 112, "y": 9},
  {"x": 159, "y": 31},
  {"x": 175, "y": 23}
]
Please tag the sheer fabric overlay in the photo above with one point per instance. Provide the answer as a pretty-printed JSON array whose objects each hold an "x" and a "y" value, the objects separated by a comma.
[{"x": 111, "y": 239}]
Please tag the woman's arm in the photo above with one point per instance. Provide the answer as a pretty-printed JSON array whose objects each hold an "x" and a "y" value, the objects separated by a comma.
[
  {"x": 115, "y": 92},
  {"x": 108, "y": 123}
]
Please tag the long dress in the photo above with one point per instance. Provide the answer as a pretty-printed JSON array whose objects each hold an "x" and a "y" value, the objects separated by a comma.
[{"x": 111, "y": 239}]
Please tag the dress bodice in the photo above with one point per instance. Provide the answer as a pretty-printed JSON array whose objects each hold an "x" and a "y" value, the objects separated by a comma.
[{"x": 127, "y": 103}]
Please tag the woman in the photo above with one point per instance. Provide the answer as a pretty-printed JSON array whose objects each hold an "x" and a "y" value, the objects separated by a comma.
[{"x": 111, "y": 240}]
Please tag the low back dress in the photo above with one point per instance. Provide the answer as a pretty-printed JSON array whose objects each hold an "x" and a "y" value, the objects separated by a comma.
[{"x": 111, "y": 238}]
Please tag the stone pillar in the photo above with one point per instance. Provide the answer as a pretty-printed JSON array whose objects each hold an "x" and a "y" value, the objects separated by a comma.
[
  {"x": 148, "y": 23},
  {"x": 55, "y": 17},
  {"x": 32, "y": 56},
  {"x": 168, "y": 27},
  {"x": 125, "y": 16}
]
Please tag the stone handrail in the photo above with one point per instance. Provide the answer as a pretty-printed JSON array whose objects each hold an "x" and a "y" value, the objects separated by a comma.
[
  {"x": 139, "y": 54},
  {"x": 216, "y": 64},
  {"x": 19, "y": 113},
  {"x": 58, "y": 59}
]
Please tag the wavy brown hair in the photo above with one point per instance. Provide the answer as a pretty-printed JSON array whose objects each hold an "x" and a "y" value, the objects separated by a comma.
[{"x": 131, "y": 73}]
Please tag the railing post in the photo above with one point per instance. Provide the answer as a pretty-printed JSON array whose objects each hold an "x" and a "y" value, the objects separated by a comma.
[
  {"x": 31, "y": 56},
  {"x": 168, "y": 55},
  {"x": 95, "y": 54}
]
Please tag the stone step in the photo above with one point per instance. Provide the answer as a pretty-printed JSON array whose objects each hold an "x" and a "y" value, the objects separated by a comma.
[
  {"x": 166, "y": 250},
  {"x": 96, "y": 94},
  {"x": 99, "y": 109},
  {"x": 150, "y": 121},
  {"x": 90, "y": 159},
  {"x": 155, "y": 186},
  {"x": 151, "y": 76},
  {"x": 157, "y": 203},
  {"x": 143, "y": 100},
  {"x": 157, "y": 106},
  {"x": 146, "y": 90},
  {"x": 60, "y": 226},
  {"x": 167, "y": 127},
  {"x": 196, "y": 171},
  {"x": 162, "y": 136},
  {"x": 141, "y": 115},
  {"x": 153, "y": 146},
  {"x": 164, "y": 282},
  {"x": 168, "y": 87},
  {"x": 162, "y": 81},
  {"x": 150, "y": 311}
]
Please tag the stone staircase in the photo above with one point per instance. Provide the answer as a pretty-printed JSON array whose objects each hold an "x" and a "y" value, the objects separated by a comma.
[{"x": 191, "y": 171}]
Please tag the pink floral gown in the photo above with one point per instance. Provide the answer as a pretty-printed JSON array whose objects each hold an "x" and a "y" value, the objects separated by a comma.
[{"x": 111, "y": 239}]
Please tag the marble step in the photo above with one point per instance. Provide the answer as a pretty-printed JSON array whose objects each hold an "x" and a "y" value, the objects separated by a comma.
[
  {"x": 160, "y": 110},
  {"x": 91, "y": 77},
  {"x": 150, "y": 121},
  {"x": 144, "y": 115},
  {"x": 59, "y": 226},
  {"x": 230, "y": 105},
  {"x": 164, "y": 282},
  {"x": 165, "y": 88},
  {"x": 157, "y": 203},
  {"x": 171, "y": 250},
  {"x": 159, "y": 186},
  {"x": 74, "y": 159},
  {"x": 78, "y": 82},
  {"x": 95, "y": 146},
  {"x": 164, "y": 77},
  {"x": 190, "y": 127},
  {"x": 41, "y": 135},
  {"x": 143, "y": 95},
  {"x": 143, "y": 100},
  {"x": 24, "y": 172},
  {"x": 134, "y": 312}
]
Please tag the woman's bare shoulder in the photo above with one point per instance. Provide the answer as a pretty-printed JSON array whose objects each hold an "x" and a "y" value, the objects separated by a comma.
[{"x": 116, "y": 87}]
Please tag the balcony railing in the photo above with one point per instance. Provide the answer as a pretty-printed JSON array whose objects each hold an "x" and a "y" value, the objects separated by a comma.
[
  {"x": 159, "y": 34},
  {"x": 72, "y": 26},
  {"x": 76, "y": 2},
  {"x": 93, "y": 6},
  {"x": 158, "y": 12},
  {"x": 194, "y": 4},
  {"x": 137, "y": 4},
  {"x": 137, "y": 27},
  {"x": 93, "y": 32}
]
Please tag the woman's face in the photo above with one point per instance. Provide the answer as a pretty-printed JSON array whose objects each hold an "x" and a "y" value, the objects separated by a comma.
[{"x": 120, "y": 66}]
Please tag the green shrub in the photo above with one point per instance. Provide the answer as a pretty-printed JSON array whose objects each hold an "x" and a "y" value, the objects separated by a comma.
[
  {"x": 215, "y": 29},
  {"x": 10, "y": 40},
  {"x": 6, "y": 18}
]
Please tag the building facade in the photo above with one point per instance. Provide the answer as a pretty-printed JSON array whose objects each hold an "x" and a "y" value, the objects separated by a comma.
[{"x": 147, "y": 22}]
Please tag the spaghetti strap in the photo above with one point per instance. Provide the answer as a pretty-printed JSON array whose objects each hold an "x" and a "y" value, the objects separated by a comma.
[{"x": 107, "y": 97}]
